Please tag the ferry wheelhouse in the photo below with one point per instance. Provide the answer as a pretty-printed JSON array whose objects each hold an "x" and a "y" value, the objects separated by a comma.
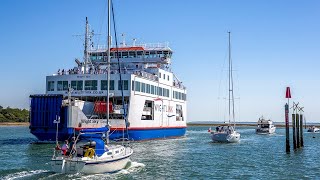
[{"x": 155, "y": 99}]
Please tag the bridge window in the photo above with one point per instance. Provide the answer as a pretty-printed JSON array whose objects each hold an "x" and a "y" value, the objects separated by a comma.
[
  {"x": 90, "y": 85},
  {"x": 139, "y": 54},
  {"x": 62, "y": 85},
  {"x": 50, "y": 86},
  {"x": 132, "y": 54},
  {"x": 77, "y": 85},
  {"x": 125, "y": 54},
  {"x": 152, "y": 89},
  {"x": 104, "y": 85}
]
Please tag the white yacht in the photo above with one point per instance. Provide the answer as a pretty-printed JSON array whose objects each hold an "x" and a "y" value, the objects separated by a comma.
[
  {"x": 91, "y": 154},
  {"x": 228, "y": 134},
  {"x": 313, "y": 129},
  {"x": 265, "y": 126}
]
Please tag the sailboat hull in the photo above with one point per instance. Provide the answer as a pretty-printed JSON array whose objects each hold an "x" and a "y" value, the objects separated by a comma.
[{"x": 225, "y": 137}]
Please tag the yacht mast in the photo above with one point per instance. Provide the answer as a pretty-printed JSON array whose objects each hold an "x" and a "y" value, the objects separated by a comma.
[
  {"x": 108, "y": 62},
  {"x": 231, "y": 99},
  {"x": 86, "y": 41}
]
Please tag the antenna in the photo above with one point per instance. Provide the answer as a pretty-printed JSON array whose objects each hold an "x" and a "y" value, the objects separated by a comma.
[
  {"x": 134, "y": 42},
  {"x": 123, "y": 39}
]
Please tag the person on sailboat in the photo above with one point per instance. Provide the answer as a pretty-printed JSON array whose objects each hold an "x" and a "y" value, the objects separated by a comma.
[{"x": 65, "y": 147}]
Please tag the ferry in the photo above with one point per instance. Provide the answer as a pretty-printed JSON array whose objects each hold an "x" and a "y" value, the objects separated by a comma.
[{"x": 155, "y": 98}]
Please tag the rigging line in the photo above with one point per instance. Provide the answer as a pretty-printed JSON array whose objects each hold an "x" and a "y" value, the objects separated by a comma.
[
  {"x": 101, "y": 20},
  {"x": 119, "y": 69}
]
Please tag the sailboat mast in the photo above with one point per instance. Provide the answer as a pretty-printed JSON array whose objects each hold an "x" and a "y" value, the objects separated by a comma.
[
  {"x": 86, "y": 41},
  {"x": 108, "y": 61},
  {"x": 229, "y": 97},
  {"x": 231, "y": 82}
]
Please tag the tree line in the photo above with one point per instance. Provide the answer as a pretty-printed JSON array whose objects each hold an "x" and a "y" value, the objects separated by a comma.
[{"x": 13, "y": 115}]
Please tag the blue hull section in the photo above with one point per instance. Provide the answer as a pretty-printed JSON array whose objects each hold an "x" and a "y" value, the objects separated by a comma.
[
  {"x": 137, "y": 135},
  {"x": 146, "y": 134}
]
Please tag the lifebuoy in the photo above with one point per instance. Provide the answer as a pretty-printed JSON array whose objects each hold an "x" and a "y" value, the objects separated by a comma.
[{"x": 89, "y": 153}]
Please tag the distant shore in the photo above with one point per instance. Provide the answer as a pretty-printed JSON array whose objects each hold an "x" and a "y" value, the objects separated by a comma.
[
  {"x": 240, "y": 124},
  {"x": 14, "y": 123}
]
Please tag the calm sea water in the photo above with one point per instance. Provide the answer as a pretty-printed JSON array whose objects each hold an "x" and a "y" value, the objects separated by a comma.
[{"x": 191, "y": 157}]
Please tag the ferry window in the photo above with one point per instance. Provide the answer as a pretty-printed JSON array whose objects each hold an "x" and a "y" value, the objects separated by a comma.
[
  {"x": 146, "y": 55},
  {"x": 160, "y": 91},
  {"x": 111, "y": 55},
  {"x": 125, "y": 54},
  {"x": 132, "y": 54},
  {"x": 164, "y": 76},
  {"x": 168, "y": 77},
  {"x": 90, "y": 85},
  {"x": 173, "y": 95},
  {"x": 137, "y": 86},
  {"x": 132, "y": 85},
  {"x": 159, "y": 54},
  {"x": 159, "y": 75},
  {"x": 50, "y": 86},
  {"x": 143, "y": 87},
  {"x": 139, "y": 54},
  {"x": 77, "y": 85},
  {"x": 152, "y": 89},
  {"x": 148, "y": 88},
  {"x": 62, "y": 85},
  {"x": 152, "y": 54},
  {"x": 124, "y": 85},
  {"x": 104, "y": 85}
]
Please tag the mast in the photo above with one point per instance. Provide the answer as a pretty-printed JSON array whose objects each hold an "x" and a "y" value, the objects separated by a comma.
[
  {"x": 229, "y": 75},
  {"x": 108, "y": 67},
  {"x": 231, "y": 100},
  {"x": 86, "y": 41}
]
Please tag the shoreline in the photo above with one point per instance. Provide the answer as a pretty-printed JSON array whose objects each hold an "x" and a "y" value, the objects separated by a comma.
[
  {"x": 14, "y": 123},
  {"x": 239, "y": 125}
]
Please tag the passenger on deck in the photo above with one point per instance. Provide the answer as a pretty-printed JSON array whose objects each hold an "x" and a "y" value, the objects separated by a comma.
[
  {"x": 217, "y": 128},
  {"x": 65, "y": 147}
]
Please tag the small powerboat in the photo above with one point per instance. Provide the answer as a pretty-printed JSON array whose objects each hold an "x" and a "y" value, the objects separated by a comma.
[{"x": 265, "y": 126}]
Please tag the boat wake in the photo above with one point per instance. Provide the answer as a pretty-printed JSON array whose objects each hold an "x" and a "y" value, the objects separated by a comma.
[{"x": 23, "y": 174}]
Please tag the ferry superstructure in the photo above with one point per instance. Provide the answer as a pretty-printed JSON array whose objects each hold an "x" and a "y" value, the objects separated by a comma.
[{"x": 155, "y": 99}]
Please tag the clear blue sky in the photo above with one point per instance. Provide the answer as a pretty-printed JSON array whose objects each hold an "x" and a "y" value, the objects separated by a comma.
[{"x": 274, "y": 44}]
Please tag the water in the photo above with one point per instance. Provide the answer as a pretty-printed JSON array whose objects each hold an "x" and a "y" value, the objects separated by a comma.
[{"x": 191, "y": 157}]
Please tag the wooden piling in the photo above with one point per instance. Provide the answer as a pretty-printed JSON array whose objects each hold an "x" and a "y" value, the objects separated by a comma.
[
  {"x": 298, "y": 130},
  {"x": 287, "y": 128},
  {"x": 294, "y": 131},
  {"x": 301, "y": 130}
]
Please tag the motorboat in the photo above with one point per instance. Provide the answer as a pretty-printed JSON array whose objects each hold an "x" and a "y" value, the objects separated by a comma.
[
  {"x": 90, "y": 154},
  {"x": 265, "y": 126},
  {"x": 313, "y": 129}
]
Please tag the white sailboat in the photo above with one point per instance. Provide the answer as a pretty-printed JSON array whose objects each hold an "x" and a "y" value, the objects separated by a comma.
[
  {"x": 228, "y": 134},
  {"x": 90, "y": 152}
]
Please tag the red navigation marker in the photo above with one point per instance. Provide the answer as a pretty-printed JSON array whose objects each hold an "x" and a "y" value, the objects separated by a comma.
[{"x": 288, "y": 93}]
